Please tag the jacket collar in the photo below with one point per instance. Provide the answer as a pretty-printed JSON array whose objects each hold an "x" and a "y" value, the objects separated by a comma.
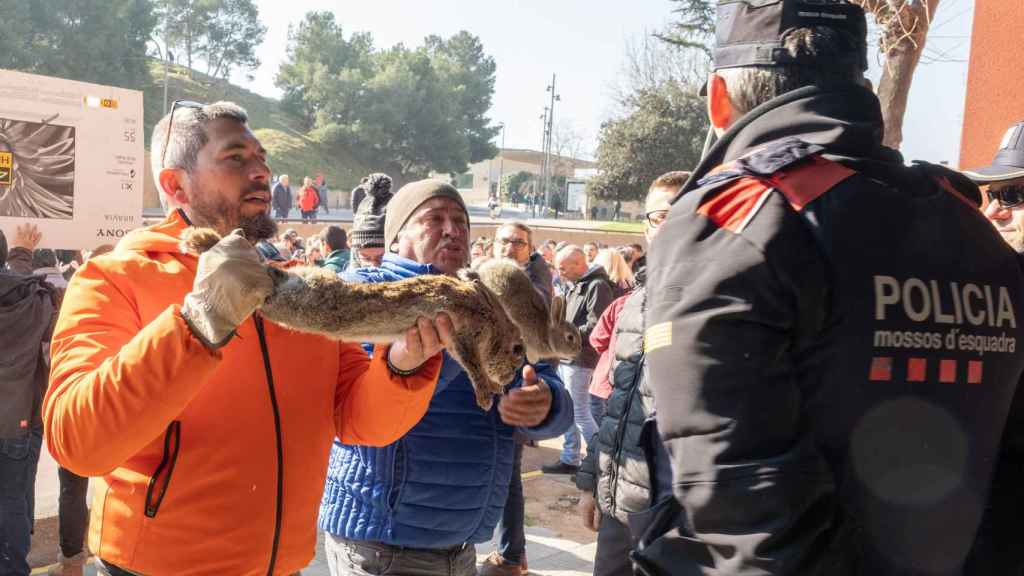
[
  {"x": 846, "y": 121},
  {"x": 405, "y": 267}
]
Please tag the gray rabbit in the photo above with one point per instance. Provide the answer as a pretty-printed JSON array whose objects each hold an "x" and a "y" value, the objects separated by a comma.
[{"x": 545, "y": 332}]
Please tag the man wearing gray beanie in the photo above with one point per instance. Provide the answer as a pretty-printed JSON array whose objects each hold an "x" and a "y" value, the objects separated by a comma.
[
  {"x": 367, "y": 237},
  {"x": 450, "y": 474}
]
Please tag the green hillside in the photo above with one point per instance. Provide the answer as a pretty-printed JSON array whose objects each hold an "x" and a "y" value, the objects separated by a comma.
[{"x": 291, "y": 151}]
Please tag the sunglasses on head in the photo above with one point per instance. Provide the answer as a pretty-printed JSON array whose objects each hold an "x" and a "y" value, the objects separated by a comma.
[
  {"x": 1007, "y": 196},
  {"x": 170, "y": 124}
]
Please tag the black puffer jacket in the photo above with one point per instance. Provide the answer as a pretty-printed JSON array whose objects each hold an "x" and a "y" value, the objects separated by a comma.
[{"x": 615, "y": 467}]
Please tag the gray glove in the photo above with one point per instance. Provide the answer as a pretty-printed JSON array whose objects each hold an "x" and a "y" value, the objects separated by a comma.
[{"x": 231, "y": 282}]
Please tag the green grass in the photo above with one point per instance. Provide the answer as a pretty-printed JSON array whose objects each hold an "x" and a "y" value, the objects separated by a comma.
[
  {"x": 631, "y": 227},
  {"x": 299, "y": 156},
  {"x": 291, "y": 151}
]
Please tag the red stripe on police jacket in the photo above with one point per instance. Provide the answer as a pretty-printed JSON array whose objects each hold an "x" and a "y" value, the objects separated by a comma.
[
  {"x": 730, "y": 208},
  {"x": 807, "y": 181}
]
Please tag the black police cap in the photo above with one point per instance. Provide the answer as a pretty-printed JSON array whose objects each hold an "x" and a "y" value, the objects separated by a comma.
[
  {"x": 750, "y": 32},
  {"x": 1009, "y": 161}
]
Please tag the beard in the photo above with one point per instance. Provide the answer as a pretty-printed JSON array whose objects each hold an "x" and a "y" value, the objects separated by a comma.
[{"x": 225, "y": 216}]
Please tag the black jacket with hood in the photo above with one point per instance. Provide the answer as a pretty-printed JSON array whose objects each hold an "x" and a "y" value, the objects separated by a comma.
[
  {"x": 832, "y": 345},
  {"x": 585, "y": 301},
  {"x": 28, "y": 307}
]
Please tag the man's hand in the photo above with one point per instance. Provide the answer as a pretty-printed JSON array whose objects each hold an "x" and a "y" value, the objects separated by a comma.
[
  {"x": 527, "y": 405},
  {"x": 589, "y": 512},
  {"x": 230, "y": 284},
  {"x": 421, "y": 342},
  {"x": 27, "y": 236}
]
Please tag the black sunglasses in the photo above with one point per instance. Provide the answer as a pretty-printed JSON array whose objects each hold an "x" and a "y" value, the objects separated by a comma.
[
  {"x": 1007, "y": 196},
  {"x": 170, "y": 125}
]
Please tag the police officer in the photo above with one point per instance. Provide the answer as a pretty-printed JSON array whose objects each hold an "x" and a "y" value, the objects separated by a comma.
[{"x": 831, "y": 336}]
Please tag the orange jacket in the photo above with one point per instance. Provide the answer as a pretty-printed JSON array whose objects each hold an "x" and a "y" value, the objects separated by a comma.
[
  {"x": 208, "y": 466},
  {"x": 309, "y": 199}
]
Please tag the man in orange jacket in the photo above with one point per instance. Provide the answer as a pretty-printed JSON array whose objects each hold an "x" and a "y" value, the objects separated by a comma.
[{"x": 212, "y": 449}]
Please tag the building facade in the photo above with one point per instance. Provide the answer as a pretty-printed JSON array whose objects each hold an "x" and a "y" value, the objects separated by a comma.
[
  {"x": 488, "y": 173},
  {"x": 995, "y": 100}
]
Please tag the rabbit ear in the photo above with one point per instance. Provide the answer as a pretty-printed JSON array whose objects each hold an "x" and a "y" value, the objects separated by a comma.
[{"x": 557, "y": 308}]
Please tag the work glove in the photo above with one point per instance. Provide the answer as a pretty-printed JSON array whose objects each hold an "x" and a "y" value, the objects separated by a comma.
[{"x": 231, "y": 282}]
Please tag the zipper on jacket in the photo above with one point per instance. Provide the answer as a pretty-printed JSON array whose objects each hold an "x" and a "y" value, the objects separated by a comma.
[
  {"x": 159, "y": 482},
  {"x": 280, "y": 450},
  {"x": 620, "y": 435}
]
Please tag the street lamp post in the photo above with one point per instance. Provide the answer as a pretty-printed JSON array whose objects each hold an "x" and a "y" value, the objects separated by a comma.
[
  {"x": 549, "y": 132},
  {"x": 501, "y": 164}
]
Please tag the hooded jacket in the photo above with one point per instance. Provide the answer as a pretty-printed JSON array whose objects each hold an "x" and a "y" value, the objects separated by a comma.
[
  {"x": 585, "y": 301},
  {"x": 26, "y": 311},
  {"x": 445, "y": 482},
  {"x": 211, "y": 462},
  {"x": 831, "y": 342}
]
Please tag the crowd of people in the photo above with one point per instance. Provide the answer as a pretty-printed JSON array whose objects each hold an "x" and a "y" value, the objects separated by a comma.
[{"x": 811, "y": 370}]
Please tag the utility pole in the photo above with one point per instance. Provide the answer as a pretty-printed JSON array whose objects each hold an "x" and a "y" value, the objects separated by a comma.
[
  {"x": 501, "y": 164},
  {"x": 547, "y": 150},
  {"x": 543, "y": 161}
]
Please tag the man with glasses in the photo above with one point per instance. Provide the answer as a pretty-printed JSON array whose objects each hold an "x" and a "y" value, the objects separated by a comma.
[
  {"x": 832, "y": 337},
  {"x": 515, "y": 242},
  {"x": 996, "y": 549},
  {"x": 212, "y": 450},
  {"x": 615, "y": 478},
  {"x": 1004, "y": 179}
]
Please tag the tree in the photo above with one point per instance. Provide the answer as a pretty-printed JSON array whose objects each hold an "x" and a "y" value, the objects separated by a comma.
[
  {"x": 663, "y": 132},
  {"x": 182, "y": 23},
  {"x": 324, "y": 75},
  {"x": 567, "y": 145},
  {"x": 232, "y": 35},
  {"x": 101, "y": 41},
  {"x": 222, "y": 33},
  {"x": 694, "y": 25},
  {"x": 408, "y": 110},
  {"x": 903, "y": 27},
  {"x": 469, "y": 74}
]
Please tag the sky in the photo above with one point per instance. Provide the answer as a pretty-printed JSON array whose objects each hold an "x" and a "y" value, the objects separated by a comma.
[{"x": 582, "y": 42}]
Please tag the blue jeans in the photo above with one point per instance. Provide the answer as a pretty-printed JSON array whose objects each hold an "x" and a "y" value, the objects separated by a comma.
[
  {"x": 577, "y": 381},
  {"x": 512, "y": 528},
  {"x": 19, "y": 459}
]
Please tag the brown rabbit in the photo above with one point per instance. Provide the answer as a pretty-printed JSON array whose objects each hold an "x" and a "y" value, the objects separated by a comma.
[
  {"x": 545, "y": 333},
  {"x": 313, "y": 300}
]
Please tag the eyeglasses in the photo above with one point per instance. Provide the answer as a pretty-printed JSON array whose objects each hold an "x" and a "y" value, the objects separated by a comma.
[
  {"x": 1007, "y": 196},
  {"x": 170, "y": 124},
  {"x": 513, "y": 241},
  {"x": 657, "y": 217}
]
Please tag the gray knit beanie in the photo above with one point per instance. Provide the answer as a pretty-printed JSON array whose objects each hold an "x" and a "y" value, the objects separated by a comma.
[
  {"x": 409, "y": 198},
  {"x": 368, "y": 222}
]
